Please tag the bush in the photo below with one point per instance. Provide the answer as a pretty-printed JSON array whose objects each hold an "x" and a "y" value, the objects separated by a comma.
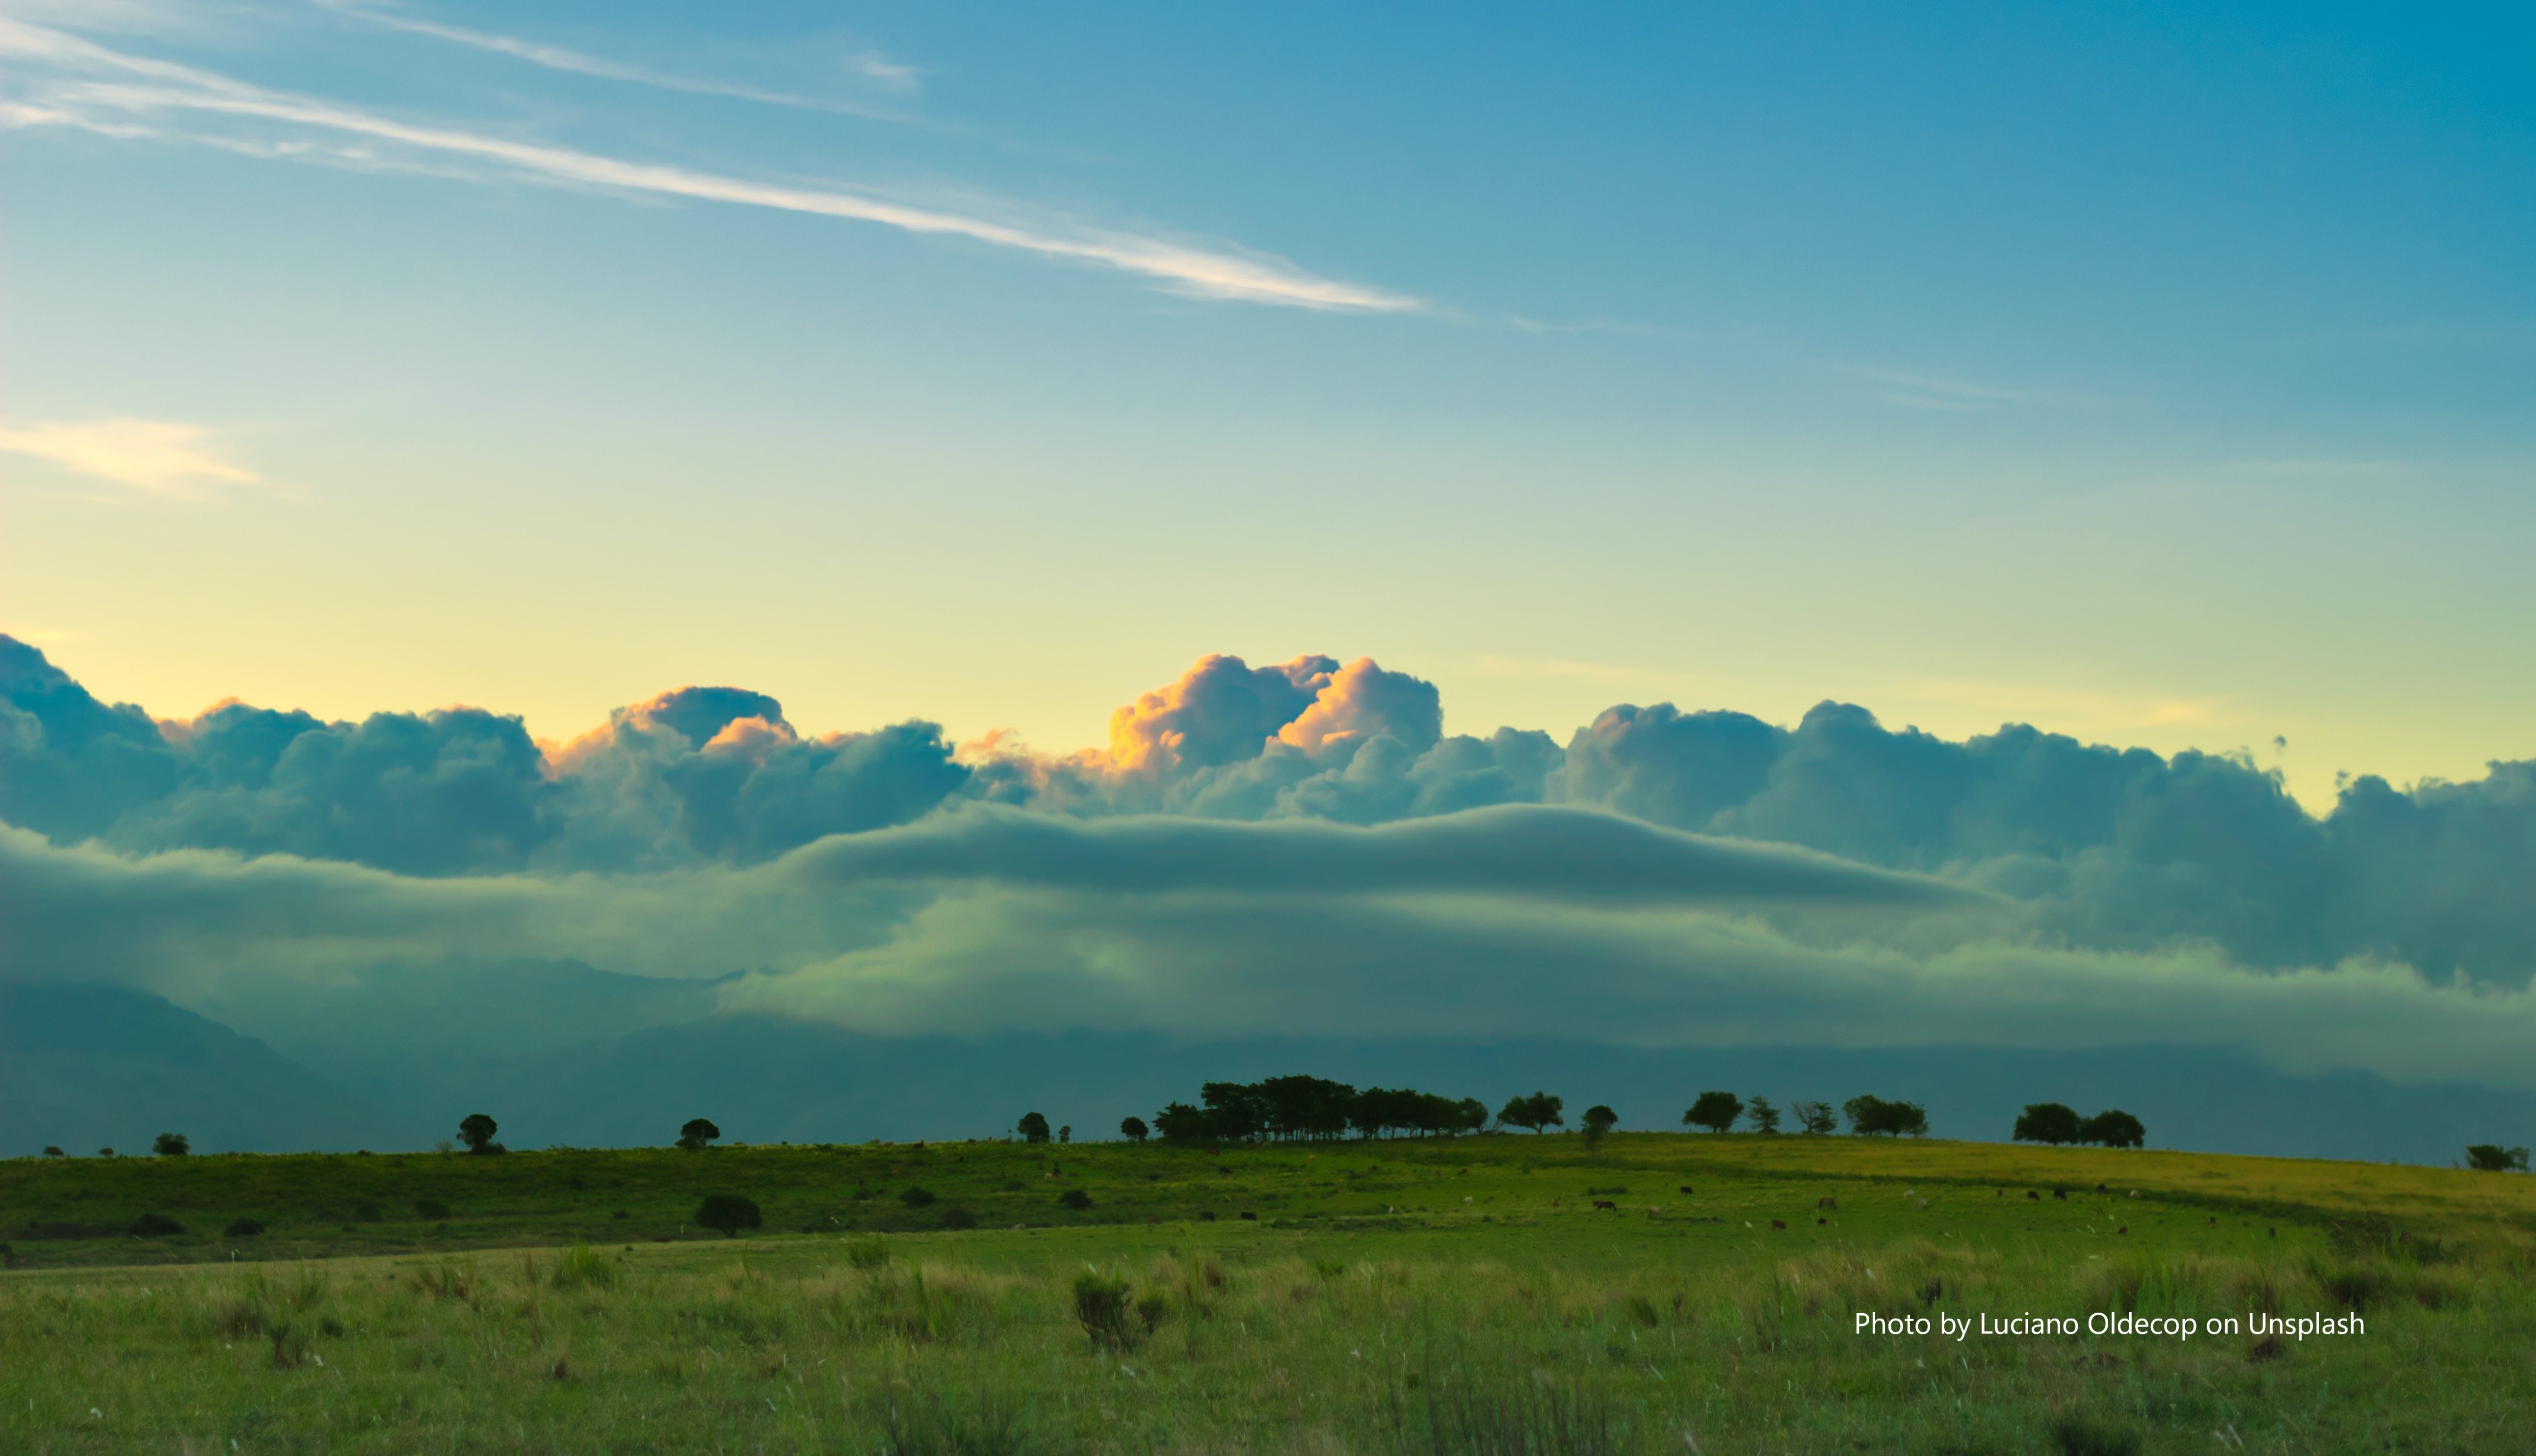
[
  {"x": 242, "y": 1229},
  {"x": 2492, "y": 1158},
  {"x": 956, "y": 1218},
  {"x": 156, "y": 1226},
  {"x": 431, "y": 1208},
  {"x": 916, "y": 1198},
  {"x": 172, "y": 1145},
  {"x": 867, "y": 1255},
  {"x": 1101, "y": 1307},
  {"x": 728, "y": 1212},
  {"x": 1075, "y": 1198}
]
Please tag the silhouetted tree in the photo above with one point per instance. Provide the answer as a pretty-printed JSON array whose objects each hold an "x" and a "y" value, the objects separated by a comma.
[
  {"x": 1236, "y": 1112},
  {"x": 2047, "y": 1122},
  {"x": 1868, "y": 1115},
  {"x": 1475, "y": 1114},
  {"x": 1597, "y": 1124},
  {"x": 1178, "y": 1122},
  {"x": 697, "y": 1134},
  {"x": 52, "y": 1152},
  {"x": 1033, "y": 1127},
  {"x": 1814, "y": 1117},
  {"x": 2113, "y": 1129},
  {"x": 105, "y": 1151},
  {"x": 728, "y": 1212},
  {"x": 1714, "y": 1110},
  {"x": 172, "y": 1145},
  {"x": 1133, "y": 1129},
  {"x": 2494, "y": 1157},
  {"x": 1065, "y": 1134},
  {"x": 476, "y": 1132},
  {"x": 1538, "y": 1111},
  {"x": 1763, "y": 1116}
]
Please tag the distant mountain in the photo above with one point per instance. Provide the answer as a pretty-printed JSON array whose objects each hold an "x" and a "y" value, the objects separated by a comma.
[
  {"x": 86, "y": 1066},
  {"x": 417, "y": 1036}
]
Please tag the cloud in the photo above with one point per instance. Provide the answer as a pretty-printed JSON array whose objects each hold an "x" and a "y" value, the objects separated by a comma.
[
  {"x": 1427, "y": 945},
  {"x": 867, "y": 64},
  {"x": 160, "y": 457},
  {"x": 1194, "y": 269}
]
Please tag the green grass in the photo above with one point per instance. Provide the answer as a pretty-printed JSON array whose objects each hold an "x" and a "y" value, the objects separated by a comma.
[{"x": 1460, "y": 1295}]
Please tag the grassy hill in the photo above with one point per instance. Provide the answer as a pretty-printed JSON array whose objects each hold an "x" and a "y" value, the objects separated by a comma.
[{"x": 1463, "y": 1295}]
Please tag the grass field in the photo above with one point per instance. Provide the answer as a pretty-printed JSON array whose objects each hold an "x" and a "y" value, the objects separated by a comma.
[{"x": 1458, "y": 1295}]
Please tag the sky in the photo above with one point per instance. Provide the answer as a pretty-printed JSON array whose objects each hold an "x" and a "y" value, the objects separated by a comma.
[{"x": 2156, "y": 374}]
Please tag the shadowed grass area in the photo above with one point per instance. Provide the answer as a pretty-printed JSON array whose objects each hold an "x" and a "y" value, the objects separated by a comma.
[{"x": 1385, "y": 1300}]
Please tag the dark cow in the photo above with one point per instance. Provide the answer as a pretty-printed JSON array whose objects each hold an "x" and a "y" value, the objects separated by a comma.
[
  {"x": 1777, "y": 1224},
  {"x": 1607, "y": 1203}
]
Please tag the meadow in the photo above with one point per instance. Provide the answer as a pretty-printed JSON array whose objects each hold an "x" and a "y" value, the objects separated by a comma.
[{"x": 1467, "y": 1295}]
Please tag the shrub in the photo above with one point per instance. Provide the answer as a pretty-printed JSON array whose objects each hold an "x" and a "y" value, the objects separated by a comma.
[
  {"x": 172, "y": 1145},
  {"x": 1101, "y": 1307},
  {"x": 1075, "y": 1198},
  {"x": 243, "y": 1228},
  {"x": 2492, "y": 1158},
  {"x": 156, "y": 1226},
  {"x": 917, "y": 1197},
  {"x": 728, "y": 1212},
  {"x": 431, "y": 1208},
  {"x": 956, "y": 1216},
  {"x": 867, "y": 1254}
]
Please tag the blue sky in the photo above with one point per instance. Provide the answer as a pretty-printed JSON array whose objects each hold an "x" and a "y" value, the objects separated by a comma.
[{"x": 2159, "y": 374}]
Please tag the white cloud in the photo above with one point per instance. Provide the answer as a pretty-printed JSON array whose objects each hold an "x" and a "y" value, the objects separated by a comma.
[
  {"x": 867, "y": 64},
  {"x": 157, "y": 456},
  {"x": 1183, "y": 268}
]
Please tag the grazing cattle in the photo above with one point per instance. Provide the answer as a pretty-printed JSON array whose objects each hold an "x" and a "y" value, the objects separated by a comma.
[
  {"x": 2214, "y": 1220},
  {"x": 2100, "y": 1187},
  {"x": 2036, "y": 1197},
  {"x": 2125, "y": 1229},
  {"x": 2060, "y": 1193},
  {"x": 1607, "y": 1203},
  {"x": 1253, "y": 1217},
  {"x": 1685, "y": 1187},
  {"x": 1827, "y": 1201},
  {"x": 1778, "y": 1224},
  {"x": 1822, "y": 1221}
]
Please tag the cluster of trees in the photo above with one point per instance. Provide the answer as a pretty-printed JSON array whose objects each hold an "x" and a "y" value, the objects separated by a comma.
[
  {"x": 1297, "y": 1107},
  {"x": 2057, "y": 1124},
  {"x": 2494, "y": 1157},
  {"x": 1717, "y": 1112}
]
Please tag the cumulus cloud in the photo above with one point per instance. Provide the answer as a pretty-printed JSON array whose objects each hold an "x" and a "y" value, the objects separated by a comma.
[{"x": 1298, "y": 849}]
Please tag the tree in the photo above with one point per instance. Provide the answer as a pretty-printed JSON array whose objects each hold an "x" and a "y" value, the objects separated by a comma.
[
  {"x": 1474, "y": 1114},
  {"x": 1598, "y": 1121},
  {"x": 1178, "y": 1122},
  {"x": 2494, "y": 1157},
  {"x": 1033, "y": 1127},
  {"x": 2113, "y": 1129},
  {"x": 1714, "y": 1110},
  {"x": 1065, "y": 1134},
  {"x": 172, "y": 1145},
  {"x": 1133, "y": 1129},
  {"x": 52, "y": 1152},
  {"x": 476, "y": 1132},
  {"x": 2048, "y": 1122},
  {"x": 728, "y": 1212},
  {"x": 697, "y": 1134},
  {"x": 1868, "y": 1115},
  {"x": 1763, "y": 1116},
  {"x": 1538, "y": 1112},
  {"x": 1815, "y": 1118}
]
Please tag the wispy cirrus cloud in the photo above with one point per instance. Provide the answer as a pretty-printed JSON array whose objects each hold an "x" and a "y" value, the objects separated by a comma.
[
  {"x": 872, "y": 66},
  {"x": 157, "y": 456},
  {"x": 1191, "y": 269}
]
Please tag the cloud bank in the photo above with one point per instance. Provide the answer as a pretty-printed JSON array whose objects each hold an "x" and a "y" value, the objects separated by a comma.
[{"x": 1296, "y": 850}]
